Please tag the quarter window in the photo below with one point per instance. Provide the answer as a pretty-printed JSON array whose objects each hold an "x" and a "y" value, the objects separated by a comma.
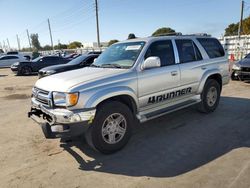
[
  {"x": 188, "y": 51},
  {"x": 212, "y": 46},
  {"x": 163, "y": 50}
]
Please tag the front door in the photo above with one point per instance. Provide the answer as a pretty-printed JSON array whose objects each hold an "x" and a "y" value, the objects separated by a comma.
[{"x": 154, "y": 85}]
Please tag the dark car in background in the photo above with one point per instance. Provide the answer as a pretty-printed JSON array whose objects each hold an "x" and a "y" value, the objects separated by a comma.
[
  {"x": 77, "y": 63},
  {"x": 241, "y": 69},
  {"x": 28, "y": 67}
]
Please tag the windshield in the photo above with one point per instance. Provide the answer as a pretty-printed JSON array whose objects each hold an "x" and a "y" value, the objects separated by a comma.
[
  {"x": 121, "y": 55},
  {"x": 247, "y": 56},
  {"x": 77, "y": 60},
  {"x": 36, "y": 59}
]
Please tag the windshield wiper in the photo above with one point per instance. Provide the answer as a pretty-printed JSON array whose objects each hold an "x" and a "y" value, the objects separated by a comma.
[
  {"x": 108, "y": 65},
  {"x": 93, "y": 65}
]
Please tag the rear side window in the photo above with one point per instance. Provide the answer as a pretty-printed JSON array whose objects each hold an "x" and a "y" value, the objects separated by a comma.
[
  {"x": 163, "y": 50},
  {"x": 212, "y": 46},
  {"x": 9, "y": 57},
  {"x": 188, "y": 51}
]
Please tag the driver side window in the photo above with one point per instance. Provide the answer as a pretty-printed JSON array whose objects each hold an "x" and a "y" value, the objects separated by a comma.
[{"x": 163, "y": 50}]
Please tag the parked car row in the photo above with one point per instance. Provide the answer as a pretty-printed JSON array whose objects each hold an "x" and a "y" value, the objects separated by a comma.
[
  {"x": 28, "y": 67},
  {"x": 79, "y": 62},
  {"x": 46, "y": 65}
]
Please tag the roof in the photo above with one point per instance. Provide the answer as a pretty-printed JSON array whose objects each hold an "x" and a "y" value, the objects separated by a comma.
[{"x": 177, "y": 35}]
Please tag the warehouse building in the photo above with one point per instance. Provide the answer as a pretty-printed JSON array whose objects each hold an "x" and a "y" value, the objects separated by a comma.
[{"x": 235, "y": 47}]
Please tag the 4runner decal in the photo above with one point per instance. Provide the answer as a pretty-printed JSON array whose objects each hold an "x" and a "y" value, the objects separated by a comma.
[{"x": 171, "y": 95}]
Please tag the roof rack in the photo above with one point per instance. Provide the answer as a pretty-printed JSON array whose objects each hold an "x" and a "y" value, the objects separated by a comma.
[
  {"x": 169, "y": 34},
  {"x": 199, "y": 34}
]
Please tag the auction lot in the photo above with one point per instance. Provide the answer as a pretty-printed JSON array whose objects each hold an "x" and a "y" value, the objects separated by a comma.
[{"x": 182, "y": 149}]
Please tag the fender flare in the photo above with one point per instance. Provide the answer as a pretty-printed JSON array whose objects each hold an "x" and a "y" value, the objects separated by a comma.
[
  {"x": 105, "y": 94},
  {"x": 205, "y": 77}
]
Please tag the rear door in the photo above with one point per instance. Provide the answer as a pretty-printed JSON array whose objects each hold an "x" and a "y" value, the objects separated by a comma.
[
  {"x": 190, "y": 62},
  {"x": 7, "y": 61}
]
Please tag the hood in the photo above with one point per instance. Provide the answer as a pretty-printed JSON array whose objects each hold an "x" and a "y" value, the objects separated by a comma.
[
  {"x": 24, "y": 62},
  {"x": 62, "y": 82},
  {"x": 244, "y": 62},
  {"x": 55, "y": 67}
]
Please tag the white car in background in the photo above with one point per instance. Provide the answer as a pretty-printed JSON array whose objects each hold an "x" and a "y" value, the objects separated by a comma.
[{"x": 8, "y": 60}]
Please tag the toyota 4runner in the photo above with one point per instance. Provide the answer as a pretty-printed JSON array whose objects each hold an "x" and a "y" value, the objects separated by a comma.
[{"x": 138, "y": 79}]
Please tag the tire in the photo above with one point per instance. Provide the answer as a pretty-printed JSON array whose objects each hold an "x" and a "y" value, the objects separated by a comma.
[
  {"x": 104, "y": 134},
  {"x": 210, "y": 96},
  {"x": 26, "y": 70}
]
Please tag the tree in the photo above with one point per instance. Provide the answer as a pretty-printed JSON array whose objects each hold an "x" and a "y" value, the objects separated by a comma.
[
  {"x": 163, "y": 30},
  {"x": 232, "y": 28},
  {"x": 47, "y": 47},
  {"x": 112, "y": 42},
  {"x": 60, "y": 46},
  {"x": 74, "y": 45},
  {"x": 131, "y": 36},
  {"x": 35, "y": 41}
]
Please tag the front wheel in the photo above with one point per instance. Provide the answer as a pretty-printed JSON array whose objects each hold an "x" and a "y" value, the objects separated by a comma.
[
  {"x": 26, "y": 70},
  {"x": 111, "y": 128},
  {"x": 210, "y": 96}
]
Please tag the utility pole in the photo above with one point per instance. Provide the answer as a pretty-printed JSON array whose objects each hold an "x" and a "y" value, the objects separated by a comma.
[
  {"x": 240, "y": 29},
  {"x": 8, "y": 43},
  {"x": 58, "y": 43},
  {"x": 51, "y": 40},
  {"x": 241, "y": 19},
  {"x": 97, "y": 24},
  {"x": 4, "y": 45},
  {"x": 28, "y": 35},
  {"x": 18, "y": 42}
]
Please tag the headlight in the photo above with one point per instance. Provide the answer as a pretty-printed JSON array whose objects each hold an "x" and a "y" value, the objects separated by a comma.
[
  {"x": 65, "y": 99},
  {"x": 59, "y": 99},
  {"x": 236, "y": 67},
  {"x": 16, "y": 64}
]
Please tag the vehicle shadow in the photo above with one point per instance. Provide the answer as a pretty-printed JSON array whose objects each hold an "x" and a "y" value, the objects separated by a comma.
[{"x": 173, "y": 144}]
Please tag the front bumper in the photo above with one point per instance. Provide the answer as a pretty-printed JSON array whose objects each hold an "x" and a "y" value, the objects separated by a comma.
[
  {"x": 242, "y": 75},
  {"x": 61, "y": 122},
  {"x": 14, "y": 69}
]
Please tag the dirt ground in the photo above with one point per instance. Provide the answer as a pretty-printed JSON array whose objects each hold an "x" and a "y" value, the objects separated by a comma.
[{"x": 182, "y": 149}]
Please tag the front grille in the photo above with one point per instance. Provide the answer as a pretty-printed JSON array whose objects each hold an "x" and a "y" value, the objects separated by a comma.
[
  {"x": 41, "y": 96},
  {"x": 245, "y": 69}
]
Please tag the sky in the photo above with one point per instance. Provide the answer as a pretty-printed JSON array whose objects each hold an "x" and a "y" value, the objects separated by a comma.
[{"x": 74, "y": 20}]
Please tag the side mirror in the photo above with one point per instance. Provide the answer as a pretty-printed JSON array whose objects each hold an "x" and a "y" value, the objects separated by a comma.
[{"x": 151, "y": 62}]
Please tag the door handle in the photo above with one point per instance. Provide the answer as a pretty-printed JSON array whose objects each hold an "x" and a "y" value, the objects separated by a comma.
[
  {"x": 174, "y": 73},
  {"x": 203, "y": 68}
]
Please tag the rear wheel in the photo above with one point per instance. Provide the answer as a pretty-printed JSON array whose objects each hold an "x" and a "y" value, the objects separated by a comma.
[
  {"x": 210, "y": 96},
  {"x": 111, "y": 128}
]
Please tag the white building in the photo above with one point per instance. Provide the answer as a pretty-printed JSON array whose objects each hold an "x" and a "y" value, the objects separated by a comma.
[
  {"x": 94, "y": 44},
  {"x": 234, "y": 46}
]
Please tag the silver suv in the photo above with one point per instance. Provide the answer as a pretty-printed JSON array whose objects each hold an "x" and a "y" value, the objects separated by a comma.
[{"x": 138, "y": 79}]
